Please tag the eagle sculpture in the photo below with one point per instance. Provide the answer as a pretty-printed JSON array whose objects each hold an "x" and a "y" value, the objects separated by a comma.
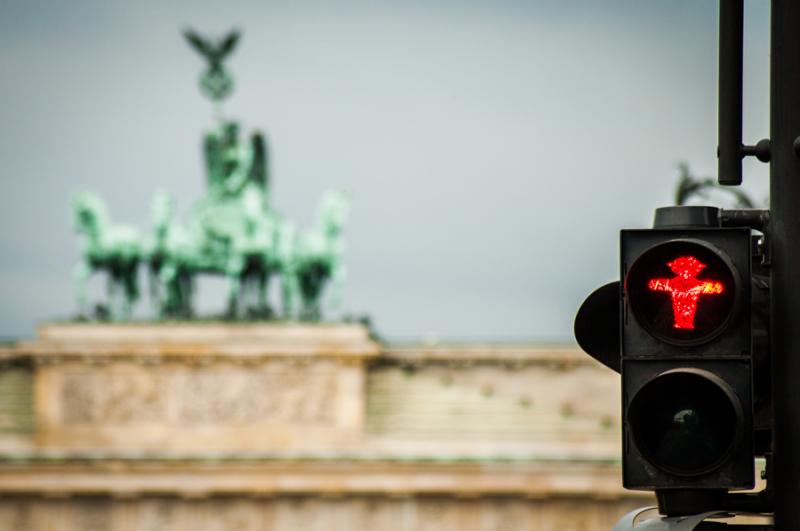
[{"x": 216, "y": 82}]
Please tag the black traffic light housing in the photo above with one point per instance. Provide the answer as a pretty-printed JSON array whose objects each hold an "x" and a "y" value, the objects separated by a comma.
[
  {"x": 688, "y": 338},
  {"x": 685, "y": 358}
]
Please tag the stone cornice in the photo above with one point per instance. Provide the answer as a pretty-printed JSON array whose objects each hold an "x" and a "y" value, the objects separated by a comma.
[
  {"x": 36, "y": 457},
  {"x": 190, "y": 342},
  {"x": 327, "y": 477},
  {"x": 557, "y": 357},
  {"x": 204, "y": 342}
]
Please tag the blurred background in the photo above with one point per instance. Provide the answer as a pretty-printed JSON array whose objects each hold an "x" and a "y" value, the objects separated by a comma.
[{"x": 492, "y": 149}]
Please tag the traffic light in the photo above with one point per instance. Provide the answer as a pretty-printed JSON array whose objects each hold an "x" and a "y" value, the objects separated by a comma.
[
  {"x": 684, "y": 345},
  {"x": 686, "y": 361}
]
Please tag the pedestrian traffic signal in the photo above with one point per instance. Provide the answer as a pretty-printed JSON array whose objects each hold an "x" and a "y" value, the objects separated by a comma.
[
  {"x": 686, "y": 367},
  {"x": 684, "y": 350}
]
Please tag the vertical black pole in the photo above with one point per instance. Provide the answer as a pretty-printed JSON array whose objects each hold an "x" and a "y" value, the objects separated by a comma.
[
  {"x": 731, "y": 27},
  {"x": 785, "y": 230}
]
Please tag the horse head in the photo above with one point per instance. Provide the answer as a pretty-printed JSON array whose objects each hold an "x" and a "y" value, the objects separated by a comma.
[
  {"x": 90, "y": 213},
  {"x": 333, "y": 211},
  {"x": 163, "y": 207}
]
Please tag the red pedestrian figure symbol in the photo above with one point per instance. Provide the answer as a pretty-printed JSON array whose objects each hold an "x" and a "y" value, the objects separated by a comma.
[{"x": 685, "y": 289}]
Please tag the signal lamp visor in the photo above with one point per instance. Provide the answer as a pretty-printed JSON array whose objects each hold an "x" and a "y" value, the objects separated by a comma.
[
  {"x": 685, "y": 421},
  {"x": 682, "y": 292}
]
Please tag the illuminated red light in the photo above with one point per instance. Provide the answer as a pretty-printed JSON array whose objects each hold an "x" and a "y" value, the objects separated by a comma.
[{"x": 685, "y": 289}]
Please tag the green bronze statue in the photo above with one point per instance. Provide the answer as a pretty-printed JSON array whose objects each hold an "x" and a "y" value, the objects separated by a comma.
[{"x": 232, "y": 231}]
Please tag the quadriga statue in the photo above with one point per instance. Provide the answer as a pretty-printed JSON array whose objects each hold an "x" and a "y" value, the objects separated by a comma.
[
  {"x": 115, "y": 249},
  {"x": 231, "y": 231}
]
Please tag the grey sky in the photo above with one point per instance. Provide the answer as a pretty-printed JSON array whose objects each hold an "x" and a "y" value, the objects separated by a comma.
[{"x": 493, "y": 149}]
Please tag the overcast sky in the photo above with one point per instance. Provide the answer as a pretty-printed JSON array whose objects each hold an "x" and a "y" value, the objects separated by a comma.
[{"x": 493, "y": 149}]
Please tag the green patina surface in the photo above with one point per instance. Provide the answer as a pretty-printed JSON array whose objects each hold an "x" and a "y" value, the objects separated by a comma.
[{"x": 232, "y": 231}]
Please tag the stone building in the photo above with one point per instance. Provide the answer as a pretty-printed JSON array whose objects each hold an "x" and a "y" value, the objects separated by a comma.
[{"x": 296, "y": 427}]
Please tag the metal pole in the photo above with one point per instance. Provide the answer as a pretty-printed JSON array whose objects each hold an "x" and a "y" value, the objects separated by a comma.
[
  {"x": 731, "y": 27},
  {"x": 785, "y": 231}
]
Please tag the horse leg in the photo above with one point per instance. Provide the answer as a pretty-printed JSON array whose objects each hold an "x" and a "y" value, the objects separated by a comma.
[
  {"x": 246, "y": 295},
  {"x": 133, "y": 289},
  {"x": 253, "y": 296},
  {"x": 126, "y": 304},
  {"x": 263, "y": 305},
  {"x": 312, "y": 307},
  {"x": 316, "y": 285},
  {"x": 185, "y": 287},
  {"x": 80, "y": 275},
  {"x": 111, "y": 297},
  {"x": 130, "y": 283},
  {"x": 289, "y": 292},
  {"x": 189, "y": 298},
  {"x": 170, "y": 289},
  {"x": 233, "y": 272},
  {"x": 306, "y": 298},
  {"x": 154, "y": 283}
]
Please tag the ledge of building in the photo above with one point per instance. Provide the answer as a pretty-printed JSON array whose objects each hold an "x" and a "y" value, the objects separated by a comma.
[
  {"x": 217, "y": 339},
  {"x": 557, "y": 356},
  {"x": 197, "y": 339},
  {"x": 328, "y": 475},
  {"x": 36, "y": 456}
]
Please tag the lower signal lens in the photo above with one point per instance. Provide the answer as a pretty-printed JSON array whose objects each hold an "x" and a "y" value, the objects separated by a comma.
[{"x": 685, "y": 421}]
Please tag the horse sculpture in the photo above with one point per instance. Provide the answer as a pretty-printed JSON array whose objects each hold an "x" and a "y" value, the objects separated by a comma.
[
  {"x": 115, "y": 249},
  {"x": 258, "y": 251},
  {"x": 171, "y": 262},
  {"x": 313, "y": 258}
]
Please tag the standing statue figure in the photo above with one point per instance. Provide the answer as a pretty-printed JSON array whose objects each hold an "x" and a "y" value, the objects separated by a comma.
[
  {"x": 314, "y": 258},
  {"x": 230, "y": 166},
  {"x": 115, "y": 249}
]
